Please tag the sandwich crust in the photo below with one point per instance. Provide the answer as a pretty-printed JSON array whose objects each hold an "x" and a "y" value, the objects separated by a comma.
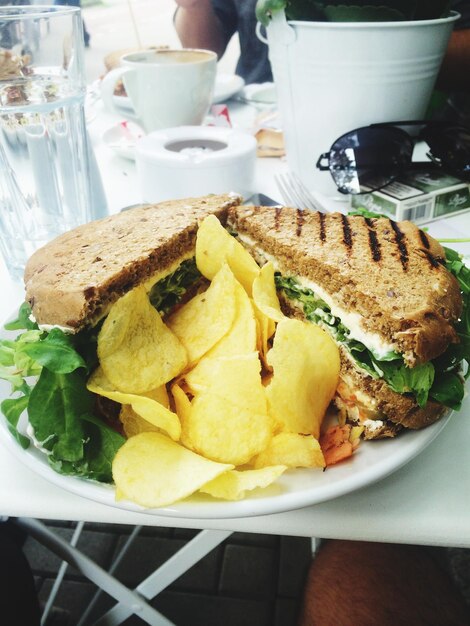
[
  {"x": 400, "y": 409},
  {"x": 72, "y": 280},
  {"x": 391, "y": 273}
]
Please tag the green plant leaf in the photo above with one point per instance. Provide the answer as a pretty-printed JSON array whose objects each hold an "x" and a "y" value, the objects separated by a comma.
[
  {"x": 23, "y": 320},
  {"x": 56, "y": 352},
  {"x": 266, "y": 8},
  {"x": 56, "y": 403},
  {"x": 12, "y": 408},
  {"x": 305, "y": 10},
  {"x": 449, "y": 390},
  {"x": 353, "y": 10},
  {"x": 363, "y": 14},
  {"x": 431, "y": 9},
  {"x": 101, "y": 447},
  {"x": 169, "y": 291}
]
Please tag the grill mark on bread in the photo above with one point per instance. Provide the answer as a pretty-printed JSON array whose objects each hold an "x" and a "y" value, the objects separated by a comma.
[
  {"x": 277, "y": 217},
  {"x": 433, "y": 261},
  {"x": 347, "y": 233},
  {"x": 300, "y": 222},
  {"x": 322, "y": 234},
  {"x": 329, "y": 263},
  {"x": 400, "y": 240},
  {"x": 374, "y": 243},
  {"x": 424, "y": 239}
]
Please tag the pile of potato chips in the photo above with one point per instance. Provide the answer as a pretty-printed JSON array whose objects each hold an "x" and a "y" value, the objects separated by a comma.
[{"x": 222, "y": 397}]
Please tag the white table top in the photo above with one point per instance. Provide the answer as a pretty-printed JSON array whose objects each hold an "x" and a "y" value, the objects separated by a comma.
[{"x": 425, "y": 502}]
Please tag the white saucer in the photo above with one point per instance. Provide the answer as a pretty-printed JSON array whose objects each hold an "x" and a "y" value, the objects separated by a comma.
[{"x": 226, "y": 86}]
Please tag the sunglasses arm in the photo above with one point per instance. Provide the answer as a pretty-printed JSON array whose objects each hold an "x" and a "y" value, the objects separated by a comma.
[{"x": 323, "y": 157}]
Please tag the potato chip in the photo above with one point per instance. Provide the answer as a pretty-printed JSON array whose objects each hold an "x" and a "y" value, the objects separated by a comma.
[
  {"x": 149, "y": 406},
  {"x": 215, "y": 246},
  {"x": 183, "y": 409},
  {"x": 132, "y": 423},
  {"x": 228, "y": 421},
  {"x": 265, "y": 295},
  {"x": 136, "y": 350},
  {"x": 305, "y": 362},
  {"x": 182, "y": 402},
  {"x": 234, "y": 484},
  {"x": 206, "y": 318},
  {"x": 153, "y": 471},
  {"x": 241, "y": 338},
  {"x": 293, "y": 450},
  {"x": 235, "y": 378}
]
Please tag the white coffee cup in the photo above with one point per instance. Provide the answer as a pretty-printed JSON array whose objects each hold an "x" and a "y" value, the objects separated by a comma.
[{"x": 166, "y": 87}]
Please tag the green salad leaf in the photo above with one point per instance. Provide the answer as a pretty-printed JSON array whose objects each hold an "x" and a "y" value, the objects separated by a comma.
[
  {"x": 56, "y": 352},
  {"x": 56, "y": 404},
  {"x": 169, "y": 291},
  {"x": 59, "y": 405},
  {"x": 100, "y": 447},
  {"x": 12, "y": 408},
  {"x": 24, "y": 319}
]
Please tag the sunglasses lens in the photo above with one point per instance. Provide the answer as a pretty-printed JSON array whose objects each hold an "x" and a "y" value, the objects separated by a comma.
[
  {"x": 369, "y": 158},
  {"x": 451, "y": 145}
]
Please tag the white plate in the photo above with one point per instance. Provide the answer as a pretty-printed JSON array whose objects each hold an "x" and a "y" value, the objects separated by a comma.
[
  {"x": 226, "y": 86},
  {"x": 122, "y": 138},
  {"x": 293, "y": 490}
]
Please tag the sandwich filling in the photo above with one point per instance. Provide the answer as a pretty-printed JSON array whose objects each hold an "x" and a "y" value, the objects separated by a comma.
[
  {"x": 439, "y": 380},
  {"x": 61, "y": 410}
]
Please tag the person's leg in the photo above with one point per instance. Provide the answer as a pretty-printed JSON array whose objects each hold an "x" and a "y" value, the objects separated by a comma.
[
  {"x": 19, "y": 605},
  {"x": 373, "y": 584}
]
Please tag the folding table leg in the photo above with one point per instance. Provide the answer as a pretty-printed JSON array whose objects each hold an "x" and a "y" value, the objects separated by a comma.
[
  {"x": 112, "y": 568},
  {"x": 167, "y": 573},
  {"x": 133, "y": 601},
  {"x": 60, "y": 575}
]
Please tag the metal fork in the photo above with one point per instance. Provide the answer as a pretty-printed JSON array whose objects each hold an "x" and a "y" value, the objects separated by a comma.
[{"x": 295, "y": 193}]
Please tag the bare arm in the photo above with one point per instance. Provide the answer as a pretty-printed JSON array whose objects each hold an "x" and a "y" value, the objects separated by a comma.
[
  {"x": 198, "y": 26},
  {"x": 455, "y": 70}
]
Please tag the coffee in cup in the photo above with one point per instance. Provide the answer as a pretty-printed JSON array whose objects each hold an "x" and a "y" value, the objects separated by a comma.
[{"x": 166, "y": 87}]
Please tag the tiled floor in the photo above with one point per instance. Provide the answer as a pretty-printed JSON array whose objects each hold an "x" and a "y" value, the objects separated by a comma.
[{"x": 248, "y": 580}]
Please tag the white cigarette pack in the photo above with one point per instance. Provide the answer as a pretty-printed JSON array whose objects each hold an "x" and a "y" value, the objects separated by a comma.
[{"x": 419, "y": 196}]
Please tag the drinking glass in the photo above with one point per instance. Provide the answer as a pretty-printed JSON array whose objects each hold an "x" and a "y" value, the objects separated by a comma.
[{"x": 49, "y": 180}]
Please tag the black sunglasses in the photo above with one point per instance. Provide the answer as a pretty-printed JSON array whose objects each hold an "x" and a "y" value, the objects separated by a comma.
[{"x": 366, "y": 159}]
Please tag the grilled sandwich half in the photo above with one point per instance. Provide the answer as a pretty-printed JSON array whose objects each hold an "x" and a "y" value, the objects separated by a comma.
[
  {"x": 73, "y": 280},
  {"x": 381, "y": 288}
]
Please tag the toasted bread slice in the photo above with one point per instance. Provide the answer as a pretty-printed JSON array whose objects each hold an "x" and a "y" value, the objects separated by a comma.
[
  {"x": 391, "y": 274},
  {"x": 72, "y": 281}
]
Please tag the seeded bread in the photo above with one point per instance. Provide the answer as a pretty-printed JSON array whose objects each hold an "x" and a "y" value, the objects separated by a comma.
[
  {"x": 72, "y": 281},
  {"x": 391, "y": 273}
]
